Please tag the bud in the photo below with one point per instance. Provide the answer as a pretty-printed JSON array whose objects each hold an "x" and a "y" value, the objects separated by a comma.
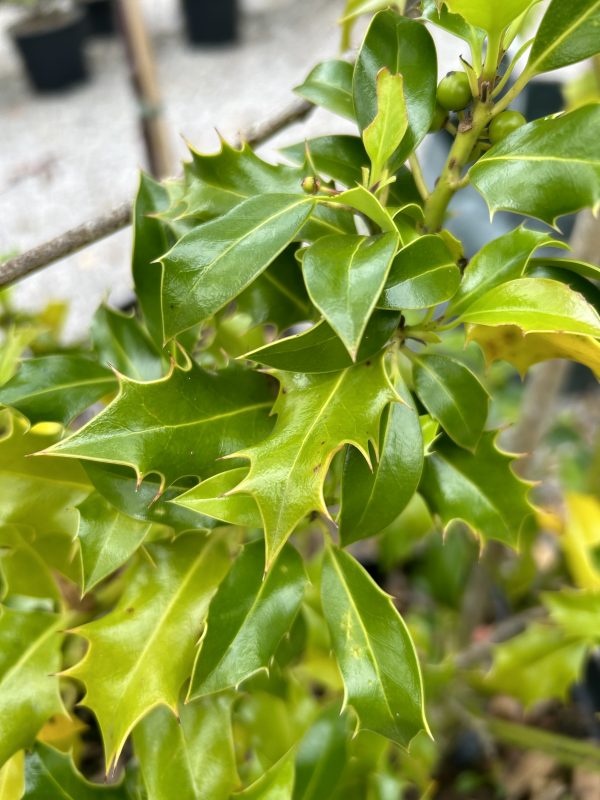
[{"x": 310, "y": 184}]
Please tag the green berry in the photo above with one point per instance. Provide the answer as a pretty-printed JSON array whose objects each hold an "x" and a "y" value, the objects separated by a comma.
[
  {"x": 454, "y": 91},
  {"x": 504, "y": 124},
  {"x": 310, "y": 184},
  {"x": 440, "y": 115}
]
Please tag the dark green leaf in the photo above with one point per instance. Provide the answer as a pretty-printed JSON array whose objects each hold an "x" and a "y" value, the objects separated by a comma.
[
  {"x": 568, "y": 33},
  {"x": 50, "y": 775},
  {"x": 121, "y": 342},
  {"x": 582, "y": 268},
  {"x": 329, "y": 85},
  {"x": 322, "y": 756}
]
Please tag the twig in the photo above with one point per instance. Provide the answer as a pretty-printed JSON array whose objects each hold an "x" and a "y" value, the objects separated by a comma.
[{"x": 112, "y": 221}]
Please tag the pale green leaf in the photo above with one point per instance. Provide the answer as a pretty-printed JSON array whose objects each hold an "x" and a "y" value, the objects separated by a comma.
[
  {"x": 316, "y": 416},
  {"x": 124, "y": 670},
  {"x": 213, "y": 263},
  {"x": 377, "y": 658},
  {"x": 453, "y": 396},
  {"x": 490, "y": 16},
  {"x": 175, "y": 426},
  {"x": 12, "y": 777},
  {"x": 50, "y": 775},
  {"x": 277, "y": 783},
  {"x": 193, "y": 755},
  {"x": 212, "y": 499},
  {"x": 344, "y": 276},
  {"x": 478, "y": 488},
  {"x": 580, "y": 540},
  {"x": 247, "y": 619},
  {"x": 575, "y": 612},
  {"x": 365, "y": 202},
  {"x": 568, "y": 33},
  {"x": 535, "y": 305},
  {"x": 545, "y": 169},
  {"x": 30, "y": 657},
  {"x": 383, "y": 136},
  {"x": 423, "y": 274},
  {"x": 329, "y": 85}
]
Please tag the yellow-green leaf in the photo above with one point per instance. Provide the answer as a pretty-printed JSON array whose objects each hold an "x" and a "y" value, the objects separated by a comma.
[{"x": 383, "y": 136}]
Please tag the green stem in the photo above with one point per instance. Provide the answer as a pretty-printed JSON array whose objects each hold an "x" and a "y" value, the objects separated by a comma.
[
  {"x": 417, "y": 173},
  {"x": 511, "y": 66}
]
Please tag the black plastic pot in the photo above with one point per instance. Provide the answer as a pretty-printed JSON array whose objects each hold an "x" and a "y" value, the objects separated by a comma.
[
  {"x": 52, "y": 48},
  {"x": 100, "y": 16},
  {"x": 211, "y": 21}
]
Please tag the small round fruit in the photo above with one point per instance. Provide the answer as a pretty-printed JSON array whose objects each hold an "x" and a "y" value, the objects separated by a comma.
[
  {"x": 454, "y": 91},
  {"x": 440, "y": 115},
  {"x": 504, "y": 124}
]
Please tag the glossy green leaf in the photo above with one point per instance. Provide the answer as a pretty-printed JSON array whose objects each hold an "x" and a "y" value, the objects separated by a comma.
[
  {"x": 438, "y": 14},
  {"x": 51, "y": 775},
  {"x": 405, "y": 47},
  {"x": 57, "y": 388},
  {"x": 329, "y": 85},
  {"x": 124, "y": 670},
  {"x": 247, "y": 619},
  {"x": 12, "y": 777},
  {"x": 545, "y": 169},
  {"x": 376, "y": 655},
  {"x": 453, "y": 396},
  {"x": 492, "y": 17},
  {"x": 537, "y": 665},
  {"x": 501, "y": 260},
  {"x": 568, "y": 33},
  {"x": 423, "y": 274},
  {"x": 535, "y": 305},
  {"x": 151, "y": 239},
  {"x": 30, "y": 657},
  {"x": 587, "y": 289},
  {"x": 478, "y": 488},
  {"x": 319, "y": 349},
  {"x": 509, "y": 343},
  {"x": 365, "y": 202},
  {"x": 582, "y": 268},
  {"x": 344, "y": 276},
  {"x": 316, "y": 416},
  {"x": 212, "y": 264},
  {"x": 211, "y": 499},
  {"x": 372, "y": 497},
  {"x": 175, "y": 426},
  {"x": 24, "y": 566},
  {"x": 322, "y": 755},
  {"x": 339, "y": 157},
  {"x": 383, "y": 136},
  {"x": 107, "y": 539},
  {"x": 193, "y": 755},
  {"x": 277, "y": 783},
  {"x": 122, "y": 343}
]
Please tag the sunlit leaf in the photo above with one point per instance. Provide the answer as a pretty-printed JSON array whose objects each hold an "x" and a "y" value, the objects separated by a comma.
[
  {"x": 568, "y": 33},
  {"x": 493, "y": 17},
  {"x": 383, "y": 136}
]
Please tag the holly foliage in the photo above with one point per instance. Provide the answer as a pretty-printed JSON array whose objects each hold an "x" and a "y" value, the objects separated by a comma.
[{"x": 186, "y": 501}]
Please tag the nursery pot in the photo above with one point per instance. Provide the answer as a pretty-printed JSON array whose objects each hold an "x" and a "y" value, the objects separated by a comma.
[
  {"x": 100, "y": 17},
  {"x": 211, "y": 21},
  {"x": 52, "y": 49}
]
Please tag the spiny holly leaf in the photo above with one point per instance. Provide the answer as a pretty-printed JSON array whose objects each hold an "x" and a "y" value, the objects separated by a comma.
[
  {"x": 453, "y": 396},
  {"x": 322, "y": 755},
  {"x": 26, "y": 571},
  {"x": 403, "y": 46},
  {"x": 12, "y": 777},
  {"x": 535, "y": 305},
  {"x": 478, "y": 488},
  {"x": 277, "y": 783},
  {"x": 319, "y": 349},
  {"x": 57, "y": 388},
  {"x": 247, "y": 619},
  {"x": 501, "y": 260},
  {"x": 329, "y": 85},
  {"x": 383, "y": 136},
  {"x": 193, "y": 755},
  {"x": 372, "y": 497},
  {"x": 30, "y": 657},
  {"x": 423, "y": 274},
  {"x": 568, "y": 33},
  {"x": 316, "y": 416},
  {"x": 213, "y": 263},
  {"x": 570, "y": 278},
  {"x": 344, "y": 276},
  {"x": 51, "y": 775},
  {"x": 509, "y": 343},
  {"x": 122, "y": 343},
  {"x": 124, "y": 670},
  {"x": 492, "y": 17},
  {"x": 545, "y": 169},
  {"x": 377, "y": 658},
  {"x": 212, "y": 498},
  {"x": 107, "y": 539},
  {"x": 175, "y": 426}
]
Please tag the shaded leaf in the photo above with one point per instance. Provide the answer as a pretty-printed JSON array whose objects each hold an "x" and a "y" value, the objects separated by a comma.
[
  {"x": 56, "y": 388},
  {"x": 124, "y": 670},
  {"x": 453, "y": 396},
  {"x": 478, "y": 488},
  {"x": 568, "y": 33},
  {"x": 376, "y": 655},
  {"x": 545, "y": 169},
  {"x": 329, "y": 85},
  {"x": 589, "y": 271},
  {"x": 344, "y": 276},
  {"x": 340, "y": 156},
  {"x": 26, "y": 571},
  {"x": 122, "y": 343},
  {"x": 247, "y": 619},
  {"x": 175, "y": 426},
  {"x": 50, "y": 775},
  {"x": 322, "y": 755}
]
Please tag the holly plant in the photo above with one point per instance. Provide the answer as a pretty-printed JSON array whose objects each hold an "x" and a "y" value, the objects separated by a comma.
[{"x": 188, "y": 502}]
